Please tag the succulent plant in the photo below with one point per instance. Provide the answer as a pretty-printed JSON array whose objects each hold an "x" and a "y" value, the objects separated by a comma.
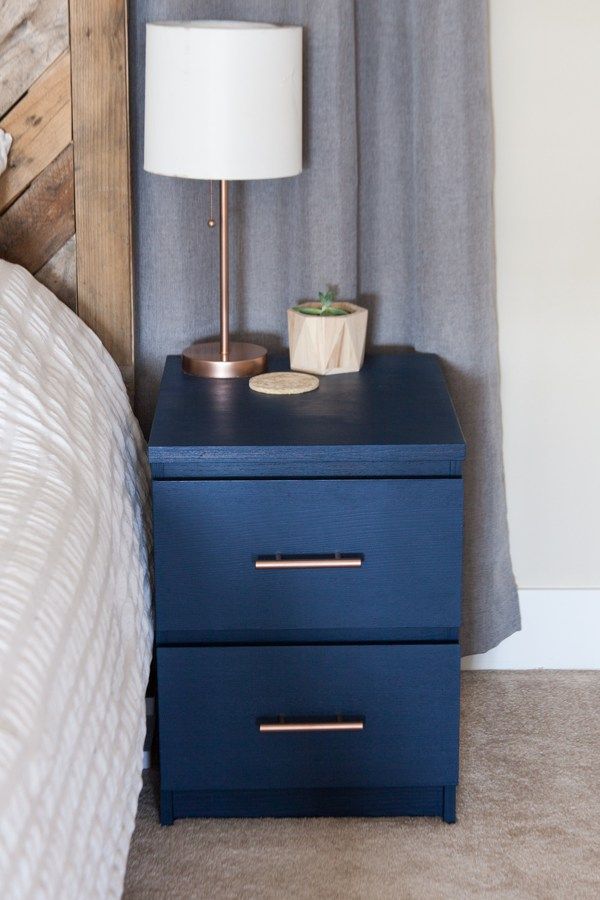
[{"x": 325, "y": 309}]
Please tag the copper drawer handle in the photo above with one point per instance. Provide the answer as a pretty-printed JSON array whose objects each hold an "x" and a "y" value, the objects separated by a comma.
[
  {"x": 317, "y": 562},
  {"x": 336, "y": 725}
]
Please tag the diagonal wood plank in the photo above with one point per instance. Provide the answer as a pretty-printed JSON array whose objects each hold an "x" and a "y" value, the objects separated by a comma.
[
  {"x": 32, "y": 34},
  {"x": 43, "y": 218},
  {"x": 102, "y": 186},
  {"x": 40, "y": 125},
  {"x": 60, "y": 274}
]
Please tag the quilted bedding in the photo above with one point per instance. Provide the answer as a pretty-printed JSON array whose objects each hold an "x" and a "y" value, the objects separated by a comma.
[{"x": 75, "y": 630}]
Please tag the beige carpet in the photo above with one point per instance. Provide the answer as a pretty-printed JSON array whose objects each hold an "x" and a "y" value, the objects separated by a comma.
[{"x": 528, "y": 809}]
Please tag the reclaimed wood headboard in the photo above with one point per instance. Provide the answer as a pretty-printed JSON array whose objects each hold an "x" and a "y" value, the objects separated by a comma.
[{"x": 65, "y": 199}]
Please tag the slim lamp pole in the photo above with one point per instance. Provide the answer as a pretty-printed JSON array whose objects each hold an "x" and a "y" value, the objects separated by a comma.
[
  {"x": 224, "y": 358},
  {"x": 224, "y": 289}
]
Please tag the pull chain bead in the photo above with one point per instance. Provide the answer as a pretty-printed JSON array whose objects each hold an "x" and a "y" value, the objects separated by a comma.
[{"x": 211, "y": 222}]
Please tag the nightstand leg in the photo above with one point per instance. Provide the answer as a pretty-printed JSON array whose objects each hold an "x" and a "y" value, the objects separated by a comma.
[
  {"x": 449, "y": 804},
  {"x": 166, "y": 807}
]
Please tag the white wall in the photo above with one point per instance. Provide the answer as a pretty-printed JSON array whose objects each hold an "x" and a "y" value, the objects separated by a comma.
[
  {"x": 560, "y": 630},
  {"x": 546, "y": 95}
]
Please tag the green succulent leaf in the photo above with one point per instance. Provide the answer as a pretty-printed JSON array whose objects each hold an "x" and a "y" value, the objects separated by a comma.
[
  {"x": 308, "y": 310},
  {"x": 326, "y": 299}
]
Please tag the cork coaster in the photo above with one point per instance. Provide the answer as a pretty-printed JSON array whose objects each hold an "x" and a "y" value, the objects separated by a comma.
[{"x": 284, "y": 383}]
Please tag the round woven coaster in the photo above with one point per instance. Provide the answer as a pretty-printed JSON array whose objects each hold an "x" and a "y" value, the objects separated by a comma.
[{"x": 284, "y": 383}]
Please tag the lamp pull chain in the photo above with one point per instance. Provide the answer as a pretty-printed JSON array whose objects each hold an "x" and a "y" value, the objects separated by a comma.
[{"x": 211, "y": 222}]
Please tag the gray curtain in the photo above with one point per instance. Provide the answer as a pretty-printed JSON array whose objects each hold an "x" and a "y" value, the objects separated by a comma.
[{"x": 394, "y": 208}]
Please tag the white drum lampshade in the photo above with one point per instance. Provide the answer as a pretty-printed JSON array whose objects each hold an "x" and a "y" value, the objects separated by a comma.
[
  {"x": 223, "y": 100},
  {"x": 223, "y": 103}
]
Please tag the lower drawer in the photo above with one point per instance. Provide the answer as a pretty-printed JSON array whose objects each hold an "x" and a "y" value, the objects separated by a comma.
[{"x": 286, "y": 717}]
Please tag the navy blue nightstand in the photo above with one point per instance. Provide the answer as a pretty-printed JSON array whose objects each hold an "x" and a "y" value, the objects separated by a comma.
[{"x": 308, "y": 554}]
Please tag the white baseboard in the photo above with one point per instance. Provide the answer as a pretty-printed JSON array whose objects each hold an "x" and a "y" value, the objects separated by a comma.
[{"x": 560, "y": 630}]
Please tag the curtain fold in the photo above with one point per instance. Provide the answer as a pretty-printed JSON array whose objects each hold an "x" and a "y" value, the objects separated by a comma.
[{"x": 393, "y": 208}]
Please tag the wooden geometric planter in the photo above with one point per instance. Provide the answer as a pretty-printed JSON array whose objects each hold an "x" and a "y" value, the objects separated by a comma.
[{"x": 327, "y": 345}]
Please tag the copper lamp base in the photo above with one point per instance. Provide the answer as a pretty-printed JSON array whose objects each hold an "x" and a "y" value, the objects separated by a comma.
[{"x": 243, "y": 360}]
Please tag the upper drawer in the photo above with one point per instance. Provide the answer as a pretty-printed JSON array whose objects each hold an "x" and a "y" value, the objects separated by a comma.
[{"x": 209, "y": 536}]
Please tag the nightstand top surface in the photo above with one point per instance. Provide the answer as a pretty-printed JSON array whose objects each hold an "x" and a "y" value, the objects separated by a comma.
[{"x": 397, "y": 406}]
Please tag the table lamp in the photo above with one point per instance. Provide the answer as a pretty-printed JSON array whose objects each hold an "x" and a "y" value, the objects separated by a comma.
[{"x": 223, "y": 103}]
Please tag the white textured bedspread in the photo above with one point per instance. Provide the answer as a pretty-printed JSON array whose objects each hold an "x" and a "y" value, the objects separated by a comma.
[{"x": 75, "y": 630}]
